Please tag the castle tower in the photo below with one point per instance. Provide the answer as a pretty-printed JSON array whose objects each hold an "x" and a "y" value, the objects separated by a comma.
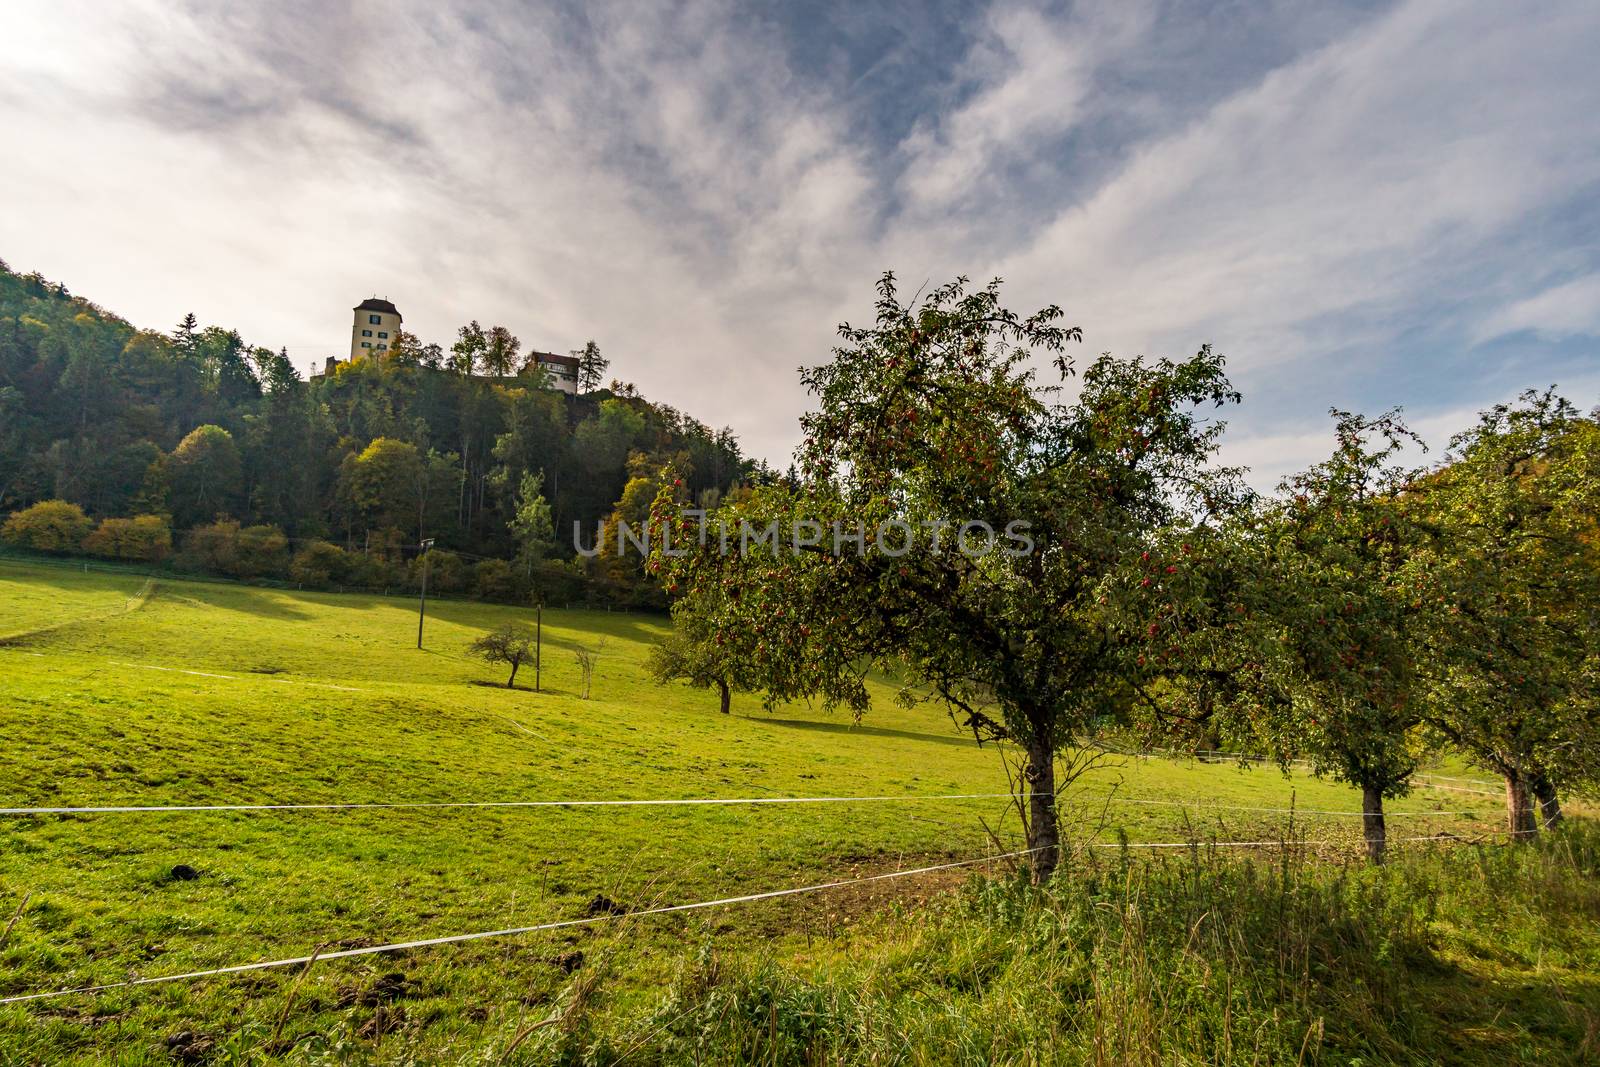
[{"x": 376, "y": 325}]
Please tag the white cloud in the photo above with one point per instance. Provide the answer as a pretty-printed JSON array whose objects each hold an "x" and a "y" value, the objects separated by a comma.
[
  {"x": 669, "y": 182},
  {"x": 1343, "y": 184},
  {"x": 1035, "y": 76},
  {"x": 1560, "y": 311}
]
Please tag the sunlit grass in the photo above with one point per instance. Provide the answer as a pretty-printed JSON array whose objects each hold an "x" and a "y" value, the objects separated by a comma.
[{"x": 201, "y": 693}]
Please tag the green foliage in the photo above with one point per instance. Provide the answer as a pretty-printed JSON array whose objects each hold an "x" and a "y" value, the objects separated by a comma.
[
  {"x": 261, "y": 551},
  {"x": 493, "y": 579},
  {"x": 532, "y": 525},
  {"x": 305, "y": 696},
  {"x": 467, "y": 354},
  {"x": 1341, "y": 576},
  {"x": 447, "y": 572},
  {"x": 197, "y": 425},
  {"x": 698, "y": 653},
  {"x": 224, "y": 547},
  {"x": 146, "y": 538},
  {"x": 511, "y": 644},
  {"x": 592, "y": 367},
  {"x": 932, "y": 418},
  {"x": 1208, "y": 959},
  {"x": 500, "y": 352},
  {"x": 384, "y": 481},
  {"x": 203, "y": 473},
  {"x": 48, "y": 526},
  {"x": 319, "y": 564},
  {"x": 1518, "y": 566}
]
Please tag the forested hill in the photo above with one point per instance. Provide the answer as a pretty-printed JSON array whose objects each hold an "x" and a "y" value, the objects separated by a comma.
[{"x": 214, "y": 436}]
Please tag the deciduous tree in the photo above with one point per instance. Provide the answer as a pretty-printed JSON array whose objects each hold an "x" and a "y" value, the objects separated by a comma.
[
  {"x": 467, "y": 354},
  {"x": 48, "y": 526},
  {"x": 532, "y": 525},
  {"x": 203, "y": 474},
  {"x": 510, "y": 644},
  {"x": 1518, "y": 564},
  {"x": 1340, "y": 571},
  {"x": 500, "y": 352},
  {"x": 927, "y": 422},
  {"x": 696, "y": 653},
  {"x": 144, "y": 537}
]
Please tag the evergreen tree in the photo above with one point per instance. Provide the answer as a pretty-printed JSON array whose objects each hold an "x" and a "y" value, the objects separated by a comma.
[{"x": 591, "y": 367}]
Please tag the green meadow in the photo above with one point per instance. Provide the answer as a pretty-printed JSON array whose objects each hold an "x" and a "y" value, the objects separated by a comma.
[{"x": 117, "y": 689}]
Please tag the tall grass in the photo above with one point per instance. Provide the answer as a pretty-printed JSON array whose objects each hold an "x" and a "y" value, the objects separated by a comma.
[{"x": 1469, "y": 954}]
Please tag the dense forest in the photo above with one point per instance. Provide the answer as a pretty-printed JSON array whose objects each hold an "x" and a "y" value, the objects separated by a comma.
[{"x": 197, "y": 449}]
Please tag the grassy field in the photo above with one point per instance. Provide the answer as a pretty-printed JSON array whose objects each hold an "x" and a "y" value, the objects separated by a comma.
[{"x": 118, "y": 690}]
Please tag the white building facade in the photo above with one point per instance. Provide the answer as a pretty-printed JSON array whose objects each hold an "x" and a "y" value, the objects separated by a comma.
[
  {"x": 376, "y": 325},
  {"x": 563, "y": 370}
]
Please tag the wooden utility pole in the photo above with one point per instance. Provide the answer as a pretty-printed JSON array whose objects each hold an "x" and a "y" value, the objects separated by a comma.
[
  {"x": 422, "y": 603},
  {"x": 538, "y": 644}
]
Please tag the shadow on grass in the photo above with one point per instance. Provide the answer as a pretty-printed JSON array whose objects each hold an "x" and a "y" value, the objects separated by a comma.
[
  {"x": 244, "y": 599},
  {"x": 868, "y": 731},
  {"x": 1485, "y": 1018},
  {"x": 643, "y": 627},
  {"x": 542, "y": 691}
]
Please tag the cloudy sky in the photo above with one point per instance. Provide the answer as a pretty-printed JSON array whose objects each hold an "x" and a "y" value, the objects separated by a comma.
[{"x": 1361, "y": 205}]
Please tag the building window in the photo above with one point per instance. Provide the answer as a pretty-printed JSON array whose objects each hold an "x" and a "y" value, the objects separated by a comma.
[
  {"x": 366, "y": 344},
  {"x": 374, "y": 319},
  {"x": 382, "y": 334},
  {"x": 366, "y": 333},
  {"x": 382, "y": 345}
]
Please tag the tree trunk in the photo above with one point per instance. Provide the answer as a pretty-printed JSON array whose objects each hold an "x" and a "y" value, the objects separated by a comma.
[
  {"x": 511, "y": 682},
  {"x": 724, "y": 693},
  {"x": 1376, "y": 834},
  {"x": 1039, "y": 777},
  {"x": 1549, "y": 803},
  {"x": 1519, "y": 808}
]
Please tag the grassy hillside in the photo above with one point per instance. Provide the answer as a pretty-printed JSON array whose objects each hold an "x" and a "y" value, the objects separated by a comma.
[{"x": 114, "y": 690}]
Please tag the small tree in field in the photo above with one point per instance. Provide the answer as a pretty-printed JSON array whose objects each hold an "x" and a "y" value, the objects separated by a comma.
[
  {"x": 927, "y": 422},
  {"x": 587, "y": 658},
  {"x": 511, "y": 644},
  {"x": 694, "y": 653}
]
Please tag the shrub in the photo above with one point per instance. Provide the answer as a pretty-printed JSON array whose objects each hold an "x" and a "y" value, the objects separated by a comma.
[
  {"x": 446, "y": 572},
  {"x": 493, "y": 579},
  {"x": 213, "y": 547},
  {"x": 146, "y": 538},
  {"x": 558, "y": 581},
  {"x": 262, "y": 550},
  {"x": 374, "y": 572},
  {"x": 319, "y": 563},
  {"x": 49, "y": 526}
]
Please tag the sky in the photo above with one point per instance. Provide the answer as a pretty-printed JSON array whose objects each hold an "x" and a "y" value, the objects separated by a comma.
[{"x": 1361, "y": 205}]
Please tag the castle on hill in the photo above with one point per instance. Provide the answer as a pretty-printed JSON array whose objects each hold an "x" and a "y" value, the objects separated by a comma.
[{"x": 376, "y": 324}]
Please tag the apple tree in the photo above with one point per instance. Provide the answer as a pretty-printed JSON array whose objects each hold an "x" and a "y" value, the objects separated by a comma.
[
  {"x": 696, "y": 653},
  {"x": 984, "y": 537},
  {"x": 1518, "y": 562},
  {"x": 1342, "y": 593}
]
